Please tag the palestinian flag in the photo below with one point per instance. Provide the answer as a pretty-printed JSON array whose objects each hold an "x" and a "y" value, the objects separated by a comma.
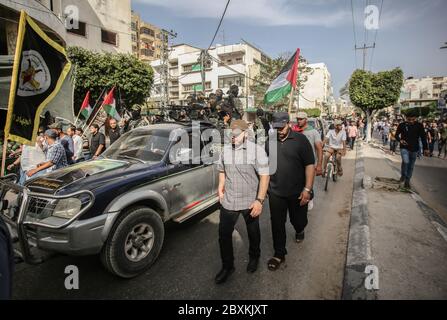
[
  {"x": 86, "y": 109},
  {"x": 284, "y": 83},
  {"x": 109, "y": 105}
]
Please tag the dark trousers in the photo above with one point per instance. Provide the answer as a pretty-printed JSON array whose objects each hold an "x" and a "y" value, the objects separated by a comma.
[
  {"x": 278, "y": 214},
  {"x": 408, "y": 162},
  {"x": 352, "y": 142},
  {"x": 431, "y": 147},
  {"x": 6, "y": 262},
  {"x": 393, "y": 145},
  {"x": 228, "y": 220},
  {"x": 442, "y": 146}
]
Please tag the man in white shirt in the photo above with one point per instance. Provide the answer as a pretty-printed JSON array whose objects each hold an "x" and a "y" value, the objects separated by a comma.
[
  {"x": 31, "y": 156},
  {"x": 77, "y": 143},
  {"x": 336, "y": 141}
]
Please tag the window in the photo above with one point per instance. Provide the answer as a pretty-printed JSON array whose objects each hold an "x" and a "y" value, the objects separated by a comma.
[
  {"x": 229, "y": 60},
  {"x": 226, "y": 82},
  {"x": 134, "y": 26},
  {"x": 196, "y": 87},
  {"x": 80, "y": 31},
  {"x": 108, "y": 37},
  {"x": 134, "y": 37},
  {"x": 148, "y": 31},
  {"x": 195, "y": 67},
  {"x": 147, "y": 52}
]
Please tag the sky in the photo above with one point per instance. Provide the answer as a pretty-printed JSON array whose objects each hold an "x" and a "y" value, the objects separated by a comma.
[{"x": 409, "y": 35}]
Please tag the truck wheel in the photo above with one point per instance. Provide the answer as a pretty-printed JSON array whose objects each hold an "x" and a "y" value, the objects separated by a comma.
[{"x": 134, "y": 242}]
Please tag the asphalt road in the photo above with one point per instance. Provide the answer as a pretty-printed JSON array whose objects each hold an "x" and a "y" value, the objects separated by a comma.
[
  {"x": 190, "y": 259},
  {"x": 429, "y": 180}
]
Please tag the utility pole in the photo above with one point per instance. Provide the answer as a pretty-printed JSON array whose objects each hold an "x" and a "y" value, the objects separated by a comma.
[
  {"x": 165, "y": 35},
  {"x": 365, "y": 48},
  {"x": 202, "y": 59}
]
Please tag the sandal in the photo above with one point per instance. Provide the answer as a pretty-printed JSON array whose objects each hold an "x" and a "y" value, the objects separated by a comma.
[{"x": 274, "y": 263}]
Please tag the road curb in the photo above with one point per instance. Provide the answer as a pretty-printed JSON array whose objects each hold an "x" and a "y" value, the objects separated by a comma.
[{"x": 358, "y": 255}]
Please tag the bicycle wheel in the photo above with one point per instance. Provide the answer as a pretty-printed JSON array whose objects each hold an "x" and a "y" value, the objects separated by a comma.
[{"x": 328, "y": 176}]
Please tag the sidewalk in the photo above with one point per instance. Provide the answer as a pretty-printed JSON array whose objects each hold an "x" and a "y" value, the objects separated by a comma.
[{"x": 408, "y": 241}]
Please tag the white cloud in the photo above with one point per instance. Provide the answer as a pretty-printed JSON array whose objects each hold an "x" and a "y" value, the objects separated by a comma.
[{"x": 261, "y": 12}]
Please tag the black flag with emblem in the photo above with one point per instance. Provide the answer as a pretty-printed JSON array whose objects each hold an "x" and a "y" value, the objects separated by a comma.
[{"x": 40, "y": 67}]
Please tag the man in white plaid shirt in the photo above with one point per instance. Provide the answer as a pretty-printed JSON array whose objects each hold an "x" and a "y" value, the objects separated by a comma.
[
  {"x": 55, "y": 155},
  {"x": 243, "y": 183}
]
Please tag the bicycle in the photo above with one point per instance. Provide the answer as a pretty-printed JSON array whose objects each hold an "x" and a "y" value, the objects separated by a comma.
[{"x": 331, "y": 170}]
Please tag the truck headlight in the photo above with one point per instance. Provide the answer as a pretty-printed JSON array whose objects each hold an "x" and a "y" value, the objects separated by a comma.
[{"x": 67, "y": 208}]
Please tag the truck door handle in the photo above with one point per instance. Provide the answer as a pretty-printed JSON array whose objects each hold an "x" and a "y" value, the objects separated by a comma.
[{"x": 177, "y": 185}]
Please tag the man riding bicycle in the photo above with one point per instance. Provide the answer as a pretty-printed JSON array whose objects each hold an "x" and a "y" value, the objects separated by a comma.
[{"x": 336, "y": 142}]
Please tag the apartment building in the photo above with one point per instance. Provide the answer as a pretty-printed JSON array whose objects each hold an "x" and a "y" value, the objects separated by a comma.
[
  {"x": 147, "y": 39},
  {"x": 232, "y": 64},
  {"x": 422, "y": 91},
  {"x": 317, "y": 91}
]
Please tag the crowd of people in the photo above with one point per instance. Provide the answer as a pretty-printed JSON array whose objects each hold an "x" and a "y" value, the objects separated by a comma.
[{"x": 59, "y": 146}]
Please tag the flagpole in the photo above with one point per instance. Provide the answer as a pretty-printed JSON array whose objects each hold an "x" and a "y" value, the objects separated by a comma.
[
  {"x": 96, "y": 114},
  {"x": 96, "y": 103},
  {"x": 291, "y": 100},
  {"x": 13, "y": 87},
  {"x": 5, "y": 149}
]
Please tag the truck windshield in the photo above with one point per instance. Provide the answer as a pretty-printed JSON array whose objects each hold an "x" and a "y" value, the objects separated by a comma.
[{"x": 140, "y": 145}]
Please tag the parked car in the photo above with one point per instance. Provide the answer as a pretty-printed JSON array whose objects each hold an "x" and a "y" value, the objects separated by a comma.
[{"x": 115, "y": 206}]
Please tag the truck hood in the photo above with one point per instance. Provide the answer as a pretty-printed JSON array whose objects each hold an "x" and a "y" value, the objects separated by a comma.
[{"x": 85, "y": 175}]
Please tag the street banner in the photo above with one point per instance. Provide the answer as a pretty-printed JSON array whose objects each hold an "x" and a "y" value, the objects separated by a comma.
[
  {"x": 285, "y": 82},
  {"x": 40, "y": 68}
]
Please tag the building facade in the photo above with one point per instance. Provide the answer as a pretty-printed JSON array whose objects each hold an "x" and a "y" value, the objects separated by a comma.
[
  {"x": 226, "y": 65},
  {"x": 147, "y": 39},
  {"x": 104, "y": 25},
  {"x": 317, "y": 91},
  {"x": 418, "y": 92}
]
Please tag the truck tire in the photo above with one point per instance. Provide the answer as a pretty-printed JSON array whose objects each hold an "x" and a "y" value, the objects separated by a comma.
[{"x": 134, "y": 242}]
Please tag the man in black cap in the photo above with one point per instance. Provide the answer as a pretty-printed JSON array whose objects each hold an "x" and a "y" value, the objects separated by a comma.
[{"x": 290, "y": 188}]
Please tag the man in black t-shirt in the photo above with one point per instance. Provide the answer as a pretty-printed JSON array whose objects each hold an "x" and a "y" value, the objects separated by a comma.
[
  {"x": 408, "y": 134},
  {"x": 97, "y": 142},
  {"x": 290, "y": 186}
]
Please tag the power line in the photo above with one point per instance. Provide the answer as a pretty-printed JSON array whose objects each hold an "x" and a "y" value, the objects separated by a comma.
[
  {"x": 375, "y": 37},
  {"x": 243, "y": 74},
  {"x": 355, "y": 35},
  {"x": 218, "y": 27}
]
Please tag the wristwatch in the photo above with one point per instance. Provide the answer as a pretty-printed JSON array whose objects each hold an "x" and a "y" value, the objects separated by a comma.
[{"x": 261, "y": 201}]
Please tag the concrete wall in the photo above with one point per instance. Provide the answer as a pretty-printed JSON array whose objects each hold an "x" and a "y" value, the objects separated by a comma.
[{"x": 111, "y": 15}]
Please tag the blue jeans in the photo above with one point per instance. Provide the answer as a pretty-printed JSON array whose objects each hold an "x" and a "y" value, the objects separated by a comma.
[{"x": 408, "y": 161}]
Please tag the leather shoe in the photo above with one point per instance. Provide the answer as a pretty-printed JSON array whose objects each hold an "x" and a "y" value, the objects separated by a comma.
[
  {"x": 223, "y": 275},
  {"x": 252, "y": 265}
]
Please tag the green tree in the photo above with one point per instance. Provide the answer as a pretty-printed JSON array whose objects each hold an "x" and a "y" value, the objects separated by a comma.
[
  {"x": 372, "y": 92},
  {"x": 312, "y": 112},
  {"x": 270, "y": 70},
  {"x": 96, "y": 71}
]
